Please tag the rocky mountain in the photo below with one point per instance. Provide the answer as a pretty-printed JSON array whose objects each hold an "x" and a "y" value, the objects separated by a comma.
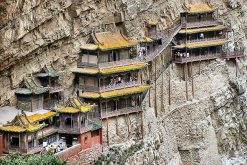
[{"x": 212, "y": 125}]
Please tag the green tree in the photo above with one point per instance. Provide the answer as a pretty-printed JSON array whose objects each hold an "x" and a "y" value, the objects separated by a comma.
[{"x": 37, "y": 159}]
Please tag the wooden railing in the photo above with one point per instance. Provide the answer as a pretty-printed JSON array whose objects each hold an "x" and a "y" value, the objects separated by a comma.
[
  {"x": 109, "y": 87},
  {"x": 55, "y": 89},
  {"x": 234, "y": 54},
  {"x": 76, "y": 129},
  {"x": 119, "y": 63},
  {"x": 206, "y": 39},
  {"x": 85, "y": 64},
  {"x": 120, "y": 112},
  {"x": 46, "y": 131},
  {"x": 196, "y": 58},
  {"x": 200, "y": 24},
  {"x": 119, "y": 86},
  {"x": 167, "y": 37},
  {"x": 89, "y": 88}
]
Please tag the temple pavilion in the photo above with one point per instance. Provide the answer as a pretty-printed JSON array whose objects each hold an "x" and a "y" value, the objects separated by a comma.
[
  {"x": 79, "y": 124},
  {"x": 109, "y": 74},
  {"x": 25, "y": 132},
  {"x": 201, "y": 37},
  {"x": 40, "y": 91},
  {"x": 30, "y": 94},
  {"x": 49, "y": 78}
]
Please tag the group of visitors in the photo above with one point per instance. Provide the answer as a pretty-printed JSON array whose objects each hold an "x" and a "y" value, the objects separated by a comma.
[
  {"x": 184, "y": 54},
  {"x": 119, "y": 80}
]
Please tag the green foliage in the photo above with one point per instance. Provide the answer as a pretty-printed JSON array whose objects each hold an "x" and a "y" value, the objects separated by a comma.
[{"x": 37, "y": 159}]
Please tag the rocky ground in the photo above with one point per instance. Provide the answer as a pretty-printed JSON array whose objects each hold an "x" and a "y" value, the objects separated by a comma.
[{"x": 208, "y": 127}]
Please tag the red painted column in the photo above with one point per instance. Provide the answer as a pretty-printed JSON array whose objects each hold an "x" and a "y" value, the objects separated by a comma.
[{"x": 1, "y": 145}]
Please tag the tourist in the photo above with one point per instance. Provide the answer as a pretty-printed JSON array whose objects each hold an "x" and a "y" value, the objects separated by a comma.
[{"x": 201, "y": 36}]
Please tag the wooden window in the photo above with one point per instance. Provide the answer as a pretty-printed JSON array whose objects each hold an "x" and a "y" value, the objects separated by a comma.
[
  {"x": 95, "y": 133},
  {"x": 14, "y": 141}
]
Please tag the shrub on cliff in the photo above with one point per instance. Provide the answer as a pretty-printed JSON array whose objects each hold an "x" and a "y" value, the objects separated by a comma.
[{"x": 37, "y": 159}]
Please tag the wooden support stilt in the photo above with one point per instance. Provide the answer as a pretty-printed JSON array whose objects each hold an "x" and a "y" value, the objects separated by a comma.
[
  {"x": 116, "y": 125},
  {"x": 186, "y": 81},
  {"x": 142, "y": 125},
  {"x": 169, "y": 88},
  {"x": 155, "y": 92},
  {"x": 125, "y": 116},
  {"x": 192, "y": 81},
  {"x": 107, "y": 134},
  {"x": 162, "y": 92},
  {"x": 236, "y": 64}
]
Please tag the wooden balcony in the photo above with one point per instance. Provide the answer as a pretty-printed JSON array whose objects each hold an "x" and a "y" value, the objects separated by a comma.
[
  {"x": 46, "y": 132},
  {"x": 181, "y": 60},
  {"x": 109, "y": 87},
  {"x": 234, "y": 54},
  {"x": 119, "y": 63},
  {"x": 120, "y": 112},
  {"x": 200, "y": 24},
  {"x": 75, "y": 129},
  {"x": 31, "y": 150},
  {"x": 55, "y": 89},
  {"x": 85, "y": 64},
  {"x": 206, "y": 39},
  {"x": 120, "y": 86}
]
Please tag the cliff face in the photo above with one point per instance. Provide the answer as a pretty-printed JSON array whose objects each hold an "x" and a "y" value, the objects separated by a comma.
[{"x": 37, "y": 32}]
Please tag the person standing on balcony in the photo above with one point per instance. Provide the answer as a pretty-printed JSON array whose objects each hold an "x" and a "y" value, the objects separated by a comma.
[{"x": 201, "y": 36}]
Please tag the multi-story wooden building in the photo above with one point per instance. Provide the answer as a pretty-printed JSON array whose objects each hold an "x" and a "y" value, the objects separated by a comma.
[
  {"x": 109, "y": 74},
  {"x": 79, "y": 124},
  {"x": 201, "y": 37},
  {"x": 49, "y": 78},
  {"x": 41, "y": 91},
  {"x": 25, "y": 132},
  {"x": 30, "y": 95},
  {"x": 75, "y": 124}
]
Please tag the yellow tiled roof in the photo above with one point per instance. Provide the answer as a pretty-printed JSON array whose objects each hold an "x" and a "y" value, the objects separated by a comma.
[
  {"x": 200, "y": 44},
  {"x": 108, "y": 41},
  {"x": 200, "y": 8},
  {"x": 123, "y": 68},
  {"x": 39, "y": 117},
  {"x": 198, "y": 30},
  {"x": 115, "y": 93},
  {"x": 74, "y": 105},
  {"x": 106, "y": 71},
  {"x": 21, "y": 124},
  {"x": 146, "y": 39},
  {"x": 90, "y": 47}
]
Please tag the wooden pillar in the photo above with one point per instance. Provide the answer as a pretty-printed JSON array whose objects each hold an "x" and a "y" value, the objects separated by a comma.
[
  {"x": 100, "y": 104},
  {"x": 49, "y": 95},
  {"x": 107, "y": 135},
  {"x": 169, "y": 86},
  {"x": 19, "y": 142},
  {"x": 162, "y": 92},
  {"x": 236, "y": 64},
  {"x": 116, "y": 125},
  {"x": 155, "y": 91},
  {"x": 126, "y": 120},
  {"x": 186, "y": 81},
  {"x": 192, "y": 81},
  {"x": 142, "y": 125}
]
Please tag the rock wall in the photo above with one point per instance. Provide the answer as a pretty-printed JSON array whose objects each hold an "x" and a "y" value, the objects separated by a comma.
[{"x": 213, "y": 123}]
